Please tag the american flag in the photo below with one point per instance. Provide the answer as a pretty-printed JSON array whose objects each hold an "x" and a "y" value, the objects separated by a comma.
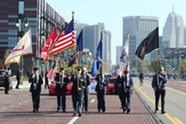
[
  {"x": 64, "y": 40},
  {"x": 51, "y": 72}
]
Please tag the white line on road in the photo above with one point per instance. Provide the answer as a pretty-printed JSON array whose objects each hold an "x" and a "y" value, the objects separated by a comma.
[
  {"x": 93, "y": 100},
  {"x": 11, "y": 106},
  {"x": 73, "y": 120}
]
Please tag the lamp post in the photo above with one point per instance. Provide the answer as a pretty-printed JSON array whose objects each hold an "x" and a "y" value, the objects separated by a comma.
[{"x": 21, "y": 23}]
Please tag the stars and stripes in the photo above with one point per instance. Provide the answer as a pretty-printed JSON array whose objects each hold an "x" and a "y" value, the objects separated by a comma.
[
  {"x": 51, "y": 73},
  {"x": 66, "y": 39}
]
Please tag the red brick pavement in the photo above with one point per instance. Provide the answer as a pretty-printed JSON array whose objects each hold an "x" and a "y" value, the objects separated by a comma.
[{"x": 21, "y": 113}]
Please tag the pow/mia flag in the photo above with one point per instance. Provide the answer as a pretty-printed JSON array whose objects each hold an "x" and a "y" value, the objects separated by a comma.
[
  {"x": 124, "y": 58},
  {"x": 150, "y": 43}
]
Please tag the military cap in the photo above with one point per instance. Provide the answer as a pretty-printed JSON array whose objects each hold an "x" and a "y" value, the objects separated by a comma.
[
  {"x": 62, "y": 68},
  {"x": 79, "y": 68},
  {"x": 126, "y": 71},
  {"x": 35, "y": 68},
  {"x": 84, "y": 69}
]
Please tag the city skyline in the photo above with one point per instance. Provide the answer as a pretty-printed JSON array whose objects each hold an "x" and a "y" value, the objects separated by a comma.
[{"x": 111, "y": 13}]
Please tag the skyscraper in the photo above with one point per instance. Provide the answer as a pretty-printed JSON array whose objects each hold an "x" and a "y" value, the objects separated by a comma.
[
  {"x": 185, "y": 36},
  {"x": 138, "y": 27},
  {"x": 173, "y": 31},
  {"x": 118, "y": 54}
]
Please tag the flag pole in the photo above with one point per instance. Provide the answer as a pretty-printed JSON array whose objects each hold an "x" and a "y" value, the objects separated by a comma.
[
  {"x": 158, "y": 52},
  {"x": 77, "y": 76}
]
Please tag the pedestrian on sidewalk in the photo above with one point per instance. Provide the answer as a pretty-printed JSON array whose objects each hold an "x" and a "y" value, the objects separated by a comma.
[
  {"x": 46, "y": 81},
  {"x": 6, "y": 83},
  {"x": 35, "y": 88},
  {"x": 159, "y": 82},
  {"x": 18, "y": 77}
]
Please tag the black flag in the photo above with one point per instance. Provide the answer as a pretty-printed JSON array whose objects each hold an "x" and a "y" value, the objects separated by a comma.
[{"x": 150, "y": 43}]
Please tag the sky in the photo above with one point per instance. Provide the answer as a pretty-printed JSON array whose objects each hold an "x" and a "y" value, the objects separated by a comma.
[{"x": 110, "y": 12}]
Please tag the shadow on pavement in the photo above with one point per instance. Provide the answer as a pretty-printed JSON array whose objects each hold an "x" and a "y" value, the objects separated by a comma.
[{"x": 30, "y": 114}]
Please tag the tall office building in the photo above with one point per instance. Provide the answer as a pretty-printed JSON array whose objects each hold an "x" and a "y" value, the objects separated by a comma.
[
  {"x": 118, "y": 54},
  {"x": 92, "y": 36},
  {"x": 173, "y": 31},
  {"x": 185, "y": 36},
  {"x": 41, "y": 18},
  {"x": 138, "y": 27},
  {"x": 107, "y": 50}
]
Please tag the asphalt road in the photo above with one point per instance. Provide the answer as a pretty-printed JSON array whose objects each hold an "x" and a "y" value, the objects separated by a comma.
[{"x": 174, "y": 102}]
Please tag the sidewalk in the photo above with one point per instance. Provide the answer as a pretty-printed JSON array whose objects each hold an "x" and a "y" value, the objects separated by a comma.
[{"x": 25, "y": 84}]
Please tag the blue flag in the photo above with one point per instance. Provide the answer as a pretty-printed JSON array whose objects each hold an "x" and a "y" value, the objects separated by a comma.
[
  {"x": 72, "y": 60},
  {"x": 95, "y": 67},
  {"x": 99, "y": 48},
  {"x": 80, "y": 41}
]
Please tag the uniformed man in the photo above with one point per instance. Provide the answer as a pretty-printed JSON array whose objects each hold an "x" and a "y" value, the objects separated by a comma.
[
  {"x": 35, "y": 88},
  {"x": 61, "y": 83},
  {"x": 86, "y": 79},
  {"x": 159, "y": 82},
  {"x": 124, "y": 89},
  {"x": 101, "y": 89},
  {"x": 77, "y": 92}
]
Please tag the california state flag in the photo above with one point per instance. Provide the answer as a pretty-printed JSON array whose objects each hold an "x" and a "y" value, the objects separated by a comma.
[{"x": 23, "y": 47}]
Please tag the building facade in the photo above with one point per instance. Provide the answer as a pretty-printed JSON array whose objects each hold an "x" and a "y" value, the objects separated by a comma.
[
  {"x": 118, "y": 54},
  {"x": 138, "y": 27},
  {"x": 42, "y": 18},
  {"x": 173, "y": 31},
  {"x": 185, "y": 36},
  {"x": 91, "y": 39}
]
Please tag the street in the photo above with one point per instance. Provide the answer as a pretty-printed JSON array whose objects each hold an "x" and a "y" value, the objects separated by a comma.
[
  {"x": 174, "y": 101},
  {"x": 17, "y": 108}
]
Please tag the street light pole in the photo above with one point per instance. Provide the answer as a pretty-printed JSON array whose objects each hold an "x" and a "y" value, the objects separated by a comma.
[{"x": 21, "y": 23}]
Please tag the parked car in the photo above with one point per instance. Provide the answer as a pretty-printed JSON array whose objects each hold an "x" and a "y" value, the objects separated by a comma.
[
  {"x": 111, "y": 86},
  {"x": 2, "y": 74},
  {"x": 52, "y": 88}
]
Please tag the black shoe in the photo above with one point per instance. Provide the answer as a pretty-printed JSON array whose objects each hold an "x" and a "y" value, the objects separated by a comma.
[
  {"x": 79, "y": 114},
  {"x": 99, "y": 110},
  {"x": 103, "y": 110},
  {"x": 34, "y": 111},
  {"x": 74, "y": 114},
  {"x": 64, "y": 110},
  {"x": 124, "y": 110},
  {"x": 155, "y": 110},
  {"x": 128, "y": 111},
  {"x": 163, "y": 112},
  {"x": 86, "y": 109}
]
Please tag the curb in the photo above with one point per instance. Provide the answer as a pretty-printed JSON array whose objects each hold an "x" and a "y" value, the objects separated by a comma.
[{"x": 154, "y": 116}]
